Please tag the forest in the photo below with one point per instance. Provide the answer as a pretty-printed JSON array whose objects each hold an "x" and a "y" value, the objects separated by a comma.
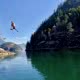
[{"x": 60, "y": 31}]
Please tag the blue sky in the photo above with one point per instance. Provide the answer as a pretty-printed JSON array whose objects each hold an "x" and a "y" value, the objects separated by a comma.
[{"x": 27, "y": 15}]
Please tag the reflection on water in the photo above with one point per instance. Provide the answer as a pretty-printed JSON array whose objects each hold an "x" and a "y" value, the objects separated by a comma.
[
  {"x": 42, "y": 66},
  {"x": 18, "y": 68},
  {"x": 65, "y": 66}
]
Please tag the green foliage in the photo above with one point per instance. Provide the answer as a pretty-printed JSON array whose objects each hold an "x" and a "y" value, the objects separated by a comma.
[{"x": 66, "y": 19}]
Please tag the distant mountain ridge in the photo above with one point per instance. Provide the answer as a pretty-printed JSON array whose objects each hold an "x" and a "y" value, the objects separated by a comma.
[{"x": 10, "y": 47}]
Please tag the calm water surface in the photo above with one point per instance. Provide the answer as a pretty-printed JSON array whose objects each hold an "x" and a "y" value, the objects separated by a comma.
[{"x": 41, "y": 66}]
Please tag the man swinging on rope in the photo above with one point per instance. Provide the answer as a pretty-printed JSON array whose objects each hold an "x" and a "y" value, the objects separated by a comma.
[{"x": 13, "y": 26}]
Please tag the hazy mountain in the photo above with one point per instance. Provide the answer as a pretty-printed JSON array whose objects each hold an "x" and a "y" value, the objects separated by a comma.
[
  {"x": 11, "y": 46},
  {"x": 23, "y": 46}
]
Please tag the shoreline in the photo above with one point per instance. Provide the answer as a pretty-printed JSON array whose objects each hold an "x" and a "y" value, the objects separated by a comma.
[{"x": 4, "y": 53}]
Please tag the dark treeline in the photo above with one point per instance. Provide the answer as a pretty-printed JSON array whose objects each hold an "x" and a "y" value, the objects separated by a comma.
[{"x": 60, "y": 30}]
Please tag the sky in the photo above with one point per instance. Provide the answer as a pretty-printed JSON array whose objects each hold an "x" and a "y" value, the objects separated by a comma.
[{"x": 26, "y": 14}]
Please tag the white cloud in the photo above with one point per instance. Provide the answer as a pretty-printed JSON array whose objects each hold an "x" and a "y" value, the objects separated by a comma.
[{"x": 18, "y": 40}]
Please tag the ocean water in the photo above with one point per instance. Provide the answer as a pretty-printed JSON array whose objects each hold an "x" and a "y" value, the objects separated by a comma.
[{"x": 41, "y": 66}]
